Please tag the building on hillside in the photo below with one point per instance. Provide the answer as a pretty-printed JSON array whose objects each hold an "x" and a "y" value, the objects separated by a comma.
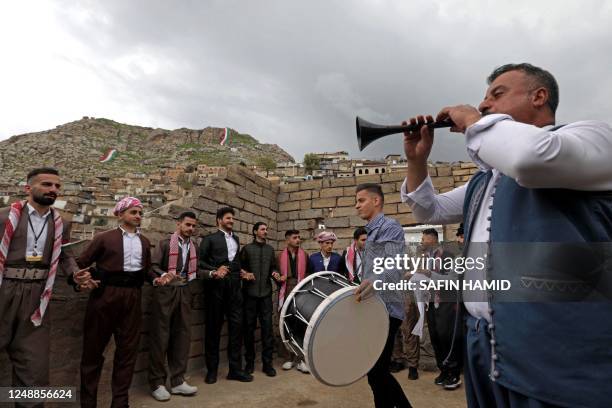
[{"x": 368, "y": 168}]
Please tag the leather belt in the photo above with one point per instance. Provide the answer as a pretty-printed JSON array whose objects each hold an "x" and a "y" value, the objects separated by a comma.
[{"x": 26, "y": 273}]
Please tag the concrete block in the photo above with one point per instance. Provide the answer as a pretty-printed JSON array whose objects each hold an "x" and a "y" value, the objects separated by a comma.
[
  {"x": 346, "y": 201},
  {"x": 332, "y": 192},
  {"x": 324, "y": 202},
  {"x": 336, "y": 222},
  {"x": 300, "y": 195},
  {"x": 289, "y": 206}
]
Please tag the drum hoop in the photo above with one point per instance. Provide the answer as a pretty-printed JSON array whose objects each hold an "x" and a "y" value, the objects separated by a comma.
[
  {"x": 291, "y": 296},
  {"x": 317, "y": 317}
]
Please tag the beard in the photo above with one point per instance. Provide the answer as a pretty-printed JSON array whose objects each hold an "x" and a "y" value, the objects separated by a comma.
[
  {"x": 134, "y": 224},
  {"x": 44, "y": 199}
]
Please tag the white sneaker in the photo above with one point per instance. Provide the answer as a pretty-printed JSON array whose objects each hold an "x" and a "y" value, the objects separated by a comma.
[
  {"x": 161, "y": 394},
  {"x": 184, "y": 389},
  {"x": 287, "y": 365},
  {"x": 303, "y": 367}
]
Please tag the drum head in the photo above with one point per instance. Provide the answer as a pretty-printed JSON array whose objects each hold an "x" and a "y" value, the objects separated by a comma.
[
  {"x": 293, "y": 329},
  {"x": 345, "y": 338}
]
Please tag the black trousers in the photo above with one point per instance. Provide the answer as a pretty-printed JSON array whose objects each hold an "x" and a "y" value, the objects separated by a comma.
[
  {"x": 441, "y": 322},
  {"x": 387, "y": 391},
  {"x": 223, "y": 299},
  {"x": 258, "y": 309}
]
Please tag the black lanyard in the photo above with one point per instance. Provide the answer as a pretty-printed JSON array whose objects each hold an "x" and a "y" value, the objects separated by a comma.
[{"x": 37, "y": 236}]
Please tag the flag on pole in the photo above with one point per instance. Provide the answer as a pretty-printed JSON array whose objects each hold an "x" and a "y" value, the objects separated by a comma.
[
  {"x": 109, "y": 156},
  {"x": 224, "y": 141}
]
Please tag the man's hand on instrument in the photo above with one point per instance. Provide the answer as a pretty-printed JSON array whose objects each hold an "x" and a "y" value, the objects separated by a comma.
[
  {"x": 463, "y": 116},
  {"x": 417, "y": 144},
  {"x": 364, "y": 291}
]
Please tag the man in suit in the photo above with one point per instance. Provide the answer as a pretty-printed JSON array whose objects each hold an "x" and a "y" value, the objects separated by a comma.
[
  {"x": 123, "y": 261},
  {"x": 326, "y": 259},
  {"x": 223, "y": 295},
  {"x": 351, "y": 266},
  {"x": 31, "y": 234},
  {"x": 175, "y": 262},
  {"x": 259, "y": 263}
]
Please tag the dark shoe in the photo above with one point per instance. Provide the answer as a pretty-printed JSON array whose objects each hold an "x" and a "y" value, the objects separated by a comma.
[
  {"x": 396, "y": 367},
  {"x": 249, "y": 367},
  {"x": 240, "y": 376},
  {"x": 439, "y": 380},
  {"x": 211, "y": 377},
  {"x": 452, "y": 382},
  {"x": 413, "y": 373},
  {"x": 269, "y": 371}
]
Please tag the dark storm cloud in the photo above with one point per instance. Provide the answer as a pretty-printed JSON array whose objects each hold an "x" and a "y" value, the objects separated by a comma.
[{"x": 297, "y": 73}]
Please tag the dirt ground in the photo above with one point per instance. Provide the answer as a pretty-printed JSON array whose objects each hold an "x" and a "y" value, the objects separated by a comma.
[{"x": 294, "y": 389}]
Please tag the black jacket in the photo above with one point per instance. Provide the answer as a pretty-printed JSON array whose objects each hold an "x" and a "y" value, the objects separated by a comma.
[
  {"x": 259, "y": 259},
  {"x": 213, "y": 254}
]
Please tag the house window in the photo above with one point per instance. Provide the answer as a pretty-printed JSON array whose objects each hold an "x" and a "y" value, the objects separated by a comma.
[
  {"x": 367, "y": 171},
  {"x": 376, "y": 171},
  {"x": 383, "y": 170},
  {"x": 360, "y": 171}
]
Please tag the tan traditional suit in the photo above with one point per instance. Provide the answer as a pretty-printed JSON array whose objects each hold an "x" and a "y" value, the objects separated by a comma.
[{"x": 27, "y": 345}]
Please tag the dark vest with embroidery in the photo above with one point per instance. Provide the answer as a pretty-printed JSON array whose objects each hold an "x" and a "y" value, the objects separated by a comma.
[{"x": 551, "y": 334}]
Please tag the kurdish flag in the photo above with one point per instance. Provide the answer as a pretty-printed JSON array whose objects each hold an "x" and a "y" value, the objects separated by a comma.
[
  {"x": 109, "y": 156},
  {"x": 224, "y": 141}
]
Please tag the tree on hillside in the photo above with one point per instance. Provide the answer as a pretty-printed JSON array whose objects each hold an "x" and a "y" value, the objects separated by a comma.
[
  {"x": 311, "y": 162},
  {"x": 266, "y": 163}
]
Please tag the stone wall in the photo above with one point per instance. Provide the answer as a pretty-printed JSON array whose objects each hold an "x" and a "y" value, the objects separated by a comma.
[
  {"x": 303, "y": 206},
  {"x": 331, "y": 202}
]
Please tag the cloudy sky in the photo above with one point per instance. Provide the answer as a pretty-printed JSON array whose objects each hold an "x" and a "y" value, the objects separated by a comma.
[{"x": 295, "y": 73}]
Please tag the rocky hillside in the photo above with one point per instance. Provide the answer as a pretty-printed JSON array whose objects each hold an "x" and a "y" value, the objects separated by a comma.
[{"x": 75, "y": 149}]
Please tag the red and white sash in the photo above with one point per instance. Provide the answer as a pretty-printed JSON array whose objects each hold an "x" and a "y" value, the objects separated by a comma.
[
  {"x": 173, "y": 257},
  {"x": 9, "y": 230},
  {"x": 284, "y": 269}
]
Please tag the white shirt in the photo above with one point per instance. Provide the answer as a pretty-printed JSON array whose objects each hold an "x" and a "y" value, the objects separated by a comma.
[
  {"x": 132, "y": 251},
  {"x": 576, "y": 156},
  {"x": 232, "y": 245},
  {"x": 184, "y": 244},
  {"x": 326, "y": 260},
  {"x": 38, "y": 222},
  {"x": 358, "y": 255}
]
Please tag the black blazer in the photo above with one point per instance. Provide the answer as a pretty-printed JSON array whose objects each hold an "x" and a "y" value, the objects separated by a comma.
[{"x": 213, "y": 254}]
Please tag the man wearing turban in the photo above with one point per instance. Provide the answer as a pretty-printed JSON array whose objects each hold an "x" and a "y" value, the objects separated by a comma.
[
  {"x": 123, "y": 259},
  {"x": 326, "y": 259}
]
